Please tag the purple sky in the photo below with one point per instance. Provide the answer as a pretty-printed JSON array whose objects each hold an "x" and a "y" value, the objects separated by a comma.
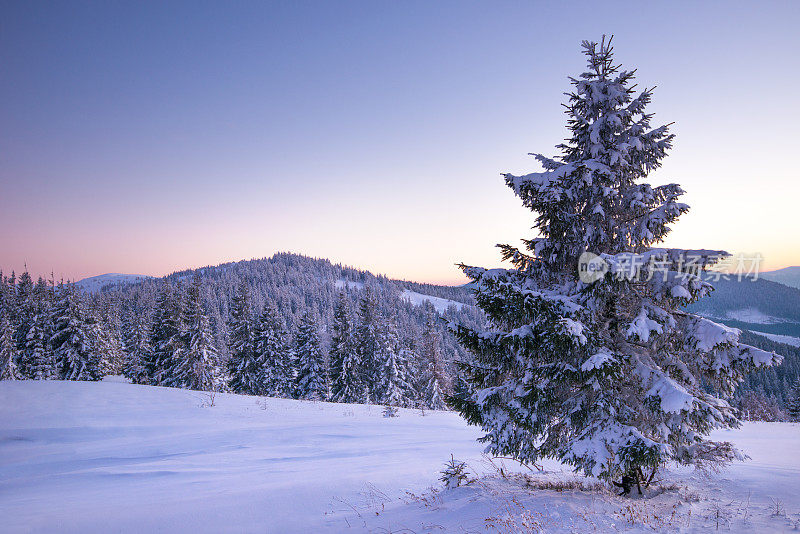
[{"x": 143, "y": 137}]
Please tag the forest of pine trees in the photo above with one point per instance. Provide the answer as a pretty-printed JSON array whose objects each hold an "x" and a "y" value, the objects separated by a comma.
[
  {"x": 367, "y": 346},
  {"x": 49, "y": 332},
  {"x": 374, "y": 346}
]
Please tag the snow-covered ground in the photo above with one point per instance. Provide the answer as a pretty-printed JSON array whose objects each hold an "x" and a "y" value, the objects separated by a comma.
[
  {"x": 778, "y": 338},
  {"x": 115, "y": 457},
  {"x": 439, "y": 303},
  {"x": 95, "y": 283},
  {"x": 349, "y": 284},
  {"x": 412, "y": 297},
  {"x": 753, "y": 316}
]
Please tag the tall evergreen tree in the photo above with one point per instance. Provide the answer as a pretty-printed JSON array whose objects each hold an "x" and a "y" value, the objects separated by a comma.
[
  {"x": 793, "y": 404},
  {"x": 198, "y": 367},
  {"x": 274, "y": 355},
  {"x": 433, "y": 371},
  {"x": 8, "y": 350},
  {"x": 110, "y": 345},
  {"x": 25, "y": 311},
  {"x": 138, "y": 351},
  {"x": 9, "y": 353},
  {"x": 312, "y": 380},
  {"x": 245, "y": 369},
  {"x": 75, "y": 338},
  {"x": 605, "y": 372},
  {"x": 345, "y": 371},
  {"x": 367, "y": 346},
  {"x": 41, "y": 359},
  {"x": 166, "y": 337},
  {"x": 392, "y": 387}
]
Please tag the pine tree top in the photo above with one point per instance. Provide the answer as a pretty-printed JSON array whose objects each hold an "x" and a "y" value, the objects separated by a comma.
[{"x": 588, "y": 198}]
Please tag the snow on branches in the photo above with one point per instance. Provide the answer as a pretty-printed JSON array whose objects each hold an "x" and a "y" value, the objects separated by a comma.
[{"x": 608, "y": 372}]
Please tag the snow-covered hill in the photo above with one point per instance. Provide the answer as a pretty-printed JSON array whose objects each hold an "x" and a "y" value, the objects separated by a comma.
[
  {"x": 94, "y": 284},
  {"x": 788, "y": 340},
  {"x": 789, "y": 276},
  {"x": 438, "y": 303},
  {"x": 752, "y": 316},
  {"x": 348, "y": 284},
  {"x": 114, "y": 457},
  {"x": 750, "y": 304}
]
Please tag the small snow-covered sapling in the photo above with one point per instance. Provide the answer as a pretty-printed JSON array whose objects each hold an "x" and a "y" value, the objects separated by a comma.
[{"x": 454, "y": 473}]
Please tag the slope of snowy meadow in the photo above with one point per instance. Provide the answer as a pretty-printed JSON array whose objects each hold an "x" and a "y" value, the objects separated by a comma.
[
  {"x": 116, "y": 457},
  {"x": 93, "y": 284},
  {"x": 440, "y": 304},
  {"x": 788, "y": 340}
]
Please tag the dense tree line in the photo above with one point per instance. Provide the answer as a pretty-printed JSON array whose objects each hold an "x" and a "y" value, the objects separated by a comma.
[
  {"x": 50, "y": 332},
  {"x": 287, "y": 326},
  {"x": 773, "y": 384},
  {"x": 776, "y": 301},
  {"x": 254, "y": 333},
  {"x": 367, "y": 360}
]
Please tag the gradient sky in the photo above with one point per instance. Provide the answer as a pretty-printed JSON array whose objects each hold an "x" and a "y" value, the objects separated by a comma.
[{"x": 145, "y": 137}]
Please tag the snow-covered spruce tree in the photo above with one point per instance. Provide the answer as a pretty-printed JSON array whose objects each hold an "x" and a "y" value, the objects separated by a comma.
[
  {"x": 110, "y": 346},
  {"x": 274, "y": 354},
  {"x": 409, "y": 360},
  {"x": 312, "y": 380},
  {"x": 75, "y": 338},
  {"x": 433, "y": 370},
  {"x": 8, "y": 350},
  {"x": 138, "y": 351},
  {"x": 244, "y": 368},
  {"x": 9, "y": 353},
  {"x": 25, "y": 311},
  {"x": 793, "y": 404},
  {"x": 198, "y": 368},
  {"x": 611, "y": 377},
  {"x": 366, "y": 345},
  {"x": 41, "y": 361},
  {"x": 166, "y": 337},
  {"x": 392, "y": 387},
  {"x": 345, "y": 371}
]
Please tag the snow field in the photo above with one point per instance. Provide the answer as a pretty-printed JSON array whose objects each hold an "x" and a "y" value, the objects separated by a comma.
[
  {"x": 440, "y": 304},
  {"x": 101, "y": 457},
  {"x": 116, "y": 457}
]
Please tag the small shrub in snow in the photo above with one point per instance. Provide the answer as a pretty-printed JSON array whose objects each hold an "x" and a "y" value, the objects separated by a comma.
[
  {"x": 389, "y": 411},
  {"x": 561, "y": 485},
  {"x": 431, "y": 498},
  {"x": 719, "y": 516},
  {"x": 514, "y": 518},
  {"x": 690, "y": 496},
  {"x": 649, "y": 515},
  {"x": 208, "y": 398},
  {"x": 777, "y": 508},
  {"x": 454, "y": 473}
]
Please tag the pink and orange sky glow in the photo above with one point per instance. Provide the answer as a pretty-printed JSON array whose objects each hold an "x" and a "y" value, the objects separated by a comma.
[{"x": 147, "y": 137}]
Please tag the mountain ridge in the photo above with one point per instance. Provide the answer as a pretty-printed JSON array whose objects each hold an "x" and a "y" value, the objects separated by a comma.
[
  {"x": 93, "y": 284},
  {"x": 789, "y": 276}
]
